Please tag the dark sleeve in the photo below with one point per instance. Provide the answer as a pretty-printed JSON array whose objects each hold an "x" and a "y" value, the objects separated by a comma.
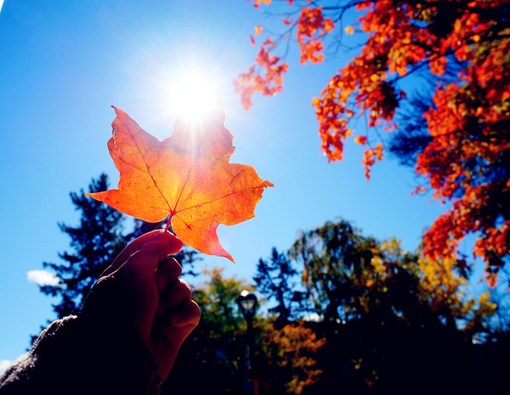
[{"x": 79, "y": 355}]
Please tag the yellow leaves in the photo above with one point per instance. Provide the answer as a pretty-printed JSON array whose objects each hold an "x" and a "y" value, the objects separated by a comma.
[
  {"x": 379, "y": 151},
  {"x": 484, "y": 298},
  {"x": 485, "y": 306},
  {"x": 378, "y": 264},
  {"x": 349, "y": 30},
  {"x": 406, "y": 40}
]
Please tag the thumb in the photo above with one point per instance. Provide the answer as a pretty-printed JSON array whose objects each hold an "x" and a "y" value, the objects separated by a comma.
[
  {"x": 146, "y": 259},
  {"x": 175, "y": 246}
]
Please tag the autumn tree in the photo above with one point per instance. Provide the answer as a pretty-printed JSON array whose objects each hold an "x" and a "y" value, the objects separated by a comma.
[
  {"x": 381, "y": 305},
  {"x": 352, "y": 277},
  {"x": 291, "y": 354},
  {"x": 460, "y": 49},
  {"x": 217, "y": 350}
]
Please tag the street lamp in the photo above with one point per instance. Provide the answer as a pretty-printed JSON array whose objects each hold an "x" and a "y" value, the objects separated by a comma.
[{"x": 247, "y": 302}]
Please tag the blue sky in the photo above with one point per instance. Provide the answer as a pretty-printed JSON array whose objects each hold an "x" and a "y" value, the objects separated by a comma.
[{"x": 63, "y": 64}]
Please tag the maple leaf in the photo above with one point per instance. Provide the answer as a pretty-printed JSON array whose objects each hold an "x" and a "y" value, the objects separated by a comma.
[{"x": 187, "y": 177}]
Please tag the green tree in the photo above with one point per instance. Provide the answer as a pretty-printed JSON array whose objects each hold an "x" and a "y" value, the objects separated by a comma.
[
  {"x": 215, "y": 359},
  {"x": 351, "y": 277}
]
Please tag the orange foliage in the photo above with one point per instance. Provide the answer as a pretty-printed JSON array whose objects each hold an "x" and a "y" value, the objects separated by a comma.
[
  {"x": 268, "y": 82},
  {"x": 312, "y": 27},
  {"x": 187, "y": 177},
  {"x": 467, "y": 159},
  {"x": 292, "y": 348}
]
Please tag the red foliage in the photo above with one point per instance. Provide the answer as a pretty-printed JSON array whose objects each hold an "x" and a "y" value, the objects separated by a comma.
[
  {"x": 269, "y": 81},
  {"x": 468, "y": 159}
]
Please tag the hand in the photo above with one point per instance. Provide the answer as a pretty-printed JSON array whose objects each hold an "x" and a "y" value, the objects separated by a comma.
[{"x": 155, "y": 302}]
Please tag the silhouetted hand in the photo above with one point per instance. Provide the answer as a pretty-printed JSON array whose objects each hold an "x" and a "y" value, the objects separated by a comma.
[{"x": 142, "y": 290}]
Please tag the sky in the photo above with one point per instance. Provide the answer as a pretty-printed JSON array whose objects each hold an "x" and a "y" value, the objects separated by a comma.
[{"x": 64, "y": 64}]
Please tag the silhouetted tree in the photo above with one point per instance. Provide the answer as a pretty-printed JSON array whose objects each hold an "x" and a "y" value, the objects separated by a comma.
[
  {"x": 95, "y": 242},
  {"x": 391, "y": 318},
  {"x": 276, "y": 280}
]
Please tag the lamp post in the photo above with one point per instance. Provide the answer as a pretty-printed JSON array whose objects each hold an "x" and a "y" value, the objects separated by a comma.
[{"x": 247, "y": 302}]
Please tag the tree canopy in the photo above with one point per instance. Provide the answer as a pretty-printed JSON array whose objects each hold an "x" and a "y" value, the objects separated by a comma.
[
  {"x": 353, "y": 277},
  {"x": 457, "y": 138},
  {"x": 380, "y": 305}
]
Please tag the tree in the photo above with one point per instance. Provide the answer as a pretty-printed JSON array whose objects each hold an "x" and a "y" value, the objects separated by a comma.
[
  {"x": 352, "y": 277},
  {"x": 291, "y": 358},
  {"x": 96, "y": 241},
  {"x": 217, "y": 350},
  {"x": 460, "y": 47},
  {"x": 390, "y": 318},
  {"x": 274, "y": 279}
]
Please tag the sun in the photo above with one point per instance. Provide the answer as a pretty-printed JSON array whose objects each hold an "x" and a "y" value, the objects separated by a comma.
[{"x": 194, "y": 96}]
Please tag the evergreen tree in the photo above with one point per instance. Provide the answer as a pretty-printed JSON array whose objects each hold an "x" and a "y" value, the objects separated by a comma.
[
  {"x": 274, "y": 279},
  {"x": 95, "y": 243}
]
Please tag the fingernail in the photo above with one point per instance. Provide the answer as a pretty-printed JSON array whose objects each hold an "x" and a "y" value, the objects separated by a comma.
[{"x": 161, "y": 235}]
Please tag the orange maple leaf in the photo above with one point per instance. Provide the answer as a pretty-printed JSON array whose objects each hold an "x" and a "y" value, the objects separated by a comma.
[{"x": 186, "y": 177}]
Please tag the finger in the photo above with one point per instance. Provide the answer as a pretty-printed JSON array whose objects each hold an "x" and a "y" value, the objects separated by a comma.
[
  {"x": 174, "y": 246},
  {"x": 175, "y": 294},
  {"x": 167, "y": 271},
  {"x": 134, "y": 246},
  {"x": 145, "y": 261},
  {"x": 168, "y": 337},
  {"x": 188, "y": 314},
  {"x": 129, "y": 250}
]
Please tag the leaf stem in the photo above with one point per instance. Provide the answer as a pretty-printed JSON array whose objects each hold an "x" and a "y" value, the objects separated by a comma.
[{"x": 169, "y": 222}]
